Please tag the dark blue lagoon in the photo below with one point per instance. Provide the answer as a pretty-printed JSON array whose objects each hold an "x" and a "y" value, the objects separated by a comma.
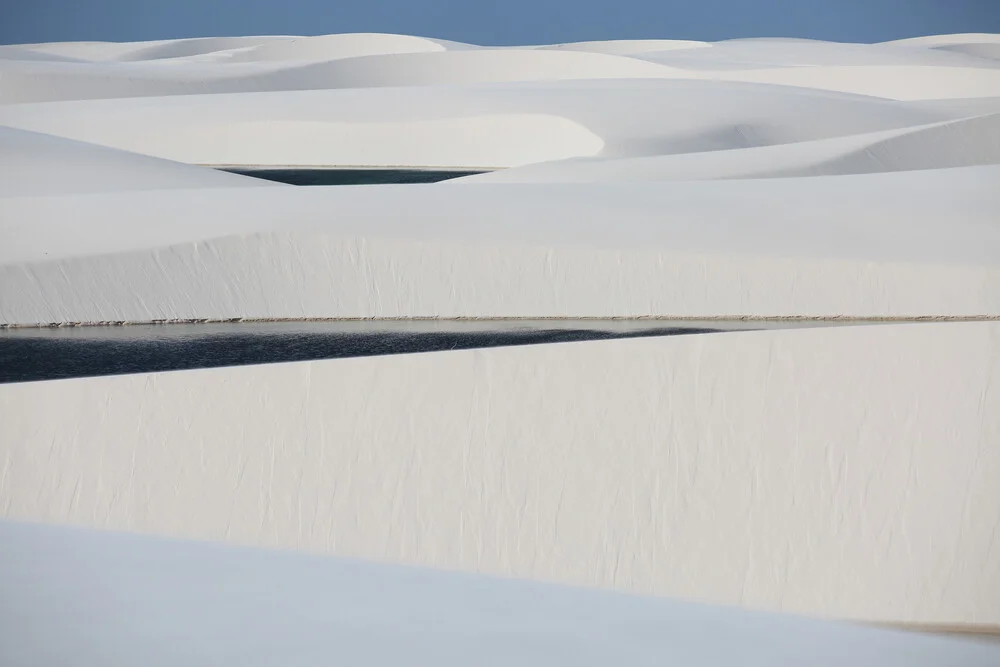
[
  {"x": 47, "y": 353},
  {"x": 350, "y": 176}
]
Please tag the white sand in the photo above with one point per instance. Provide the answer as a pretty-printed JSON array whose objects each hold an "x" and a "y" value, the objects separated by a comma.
[
  {"x": 152, "y": 50},
  {"x": 749, "y": 54},
  {"x": 490, "y": 141},
  {"x": 893, "y": 82},
  {"x": 42, "y": 80},
  {"x": 36, "y": 164},
  {"x": 974, "y": 140},
  {"x": 990, "y": 50},
  {"x": 240, "y": 606},
  {"x": 618, "y": 239},
  {"x": 919, "y": 243},
  {"x": 846, "y": 472},
  {"x": 628, "y": 47},
  {"x": 947, "y": 40},
  {"x": 329, "y": 47},
  {"x": 632, "y": 117},
  {"x": 902, "y": 71}
]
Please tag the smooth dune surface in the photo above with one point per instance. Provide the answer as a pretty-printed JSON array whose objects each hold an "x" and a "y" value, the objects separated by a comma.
[
  {"x": 485, "y": 141},
  {"x": 970, "y": 141},
  {"x": 799, "y": 247},
  {"x": 935, "y": 41},
  {"x": 748, "y": 54},
  {"x": 631, "y": 117},
  {"x": 839, "y": 472},
  {"x": 988, "y": 50},
  {"x": 845, "y": 472},
  {"x": 907, "y": 70},
  {"x": 272, "y": 608},
  {"x": 329, "y": 47},
  {"x": 39, "y": 164}
]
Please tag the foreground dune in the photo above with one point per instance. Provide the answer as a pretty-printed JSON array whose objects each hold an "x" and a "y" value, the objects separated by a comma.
[
  {"x": 845, "y": 472},
  {"x": 286, "y": 609}
]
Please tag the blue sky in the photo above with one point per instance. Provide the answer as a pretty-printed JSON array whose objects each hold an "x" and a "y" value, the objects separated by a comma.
[{"x": 492, "y": 22}]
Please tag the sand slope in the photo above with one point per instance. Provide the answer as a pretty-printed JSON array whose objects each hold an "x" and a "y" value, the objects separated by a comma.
[
  {"x": 934, "y": 41},
  {"x": 846, "y": 472},
  {"x": 959, "y": 143},
  {"x": 152, "y": 50},
  {"x": 631, "y": 117},
  {"x": 39, "y": 164},
  {"x": 229, "y": 602},
  {"x": 748, "y": 54},
  {"x": 918, "y": 243},
  {"x": 960, "y": 68},
  {"x": 329, "y": 47},
  {"x": 43, "y": 81}
]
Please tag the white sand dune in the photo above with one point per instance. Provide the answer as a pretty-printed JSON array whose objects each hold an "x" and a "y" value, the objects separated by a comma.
[
  {"x": 220, "y": 65},
  {"x": 293, "y": 610},
  {"x": 959, "y": 143},
  {"x": 933, "y": 41},
  {"x": 94, "y": 51},
  {"x": 330, "y": 47},
  {"x": 493, "y": 141},
  {"x": 770, "y": 53},
  {"x": 626, "y": 47},
  {"x": 27, "y": 54},
  {"x": 631, "y": 117},
  {"x": 40, "y": 164},
  {"x": 799, "y": 247},
  {"x": 845, "y": 472},
  {"x": 990, "y": 50},
  {"x": 185, "y": 48},
  {"x": 40, "y": 81},
  {"x": 902, "y": 82},
  {"x": 959, "y": 108},
  {"x": 151, "y": 50},
  {"x": 465, "y": 67}
]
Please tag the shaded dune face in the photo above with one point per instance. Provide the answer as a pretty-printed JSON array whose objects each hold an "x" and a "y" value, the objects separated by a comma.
[
  {"x": 365, "y": 612},
  {"x": 41, "y": 164},
  {"x": 589, "y": 340}
]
